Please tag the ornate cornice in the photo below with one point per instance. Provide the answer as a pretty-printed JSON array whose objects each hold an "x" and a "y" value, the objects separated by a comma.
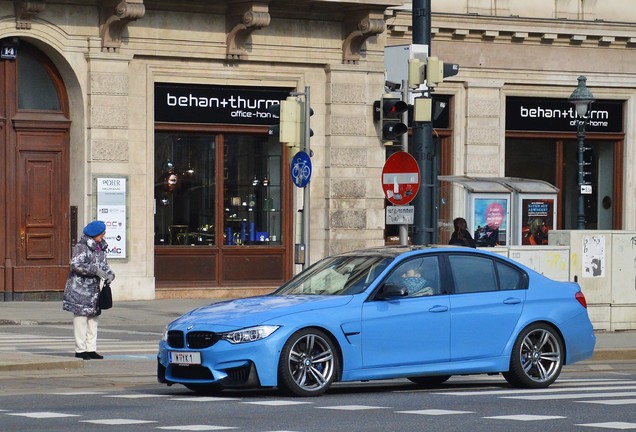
[
  {"x": 113, "y": 22},
  {"x": 243, "y": 21},
  {"x": 25, "y": 10},
  {"x": 358, "y": 32}
]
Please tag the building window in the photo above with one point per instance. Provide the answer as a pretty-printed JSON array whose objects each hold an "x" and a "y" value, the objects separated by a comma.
[
  {"x": 36, "y": 90},
  {"x": 252, "y": 191},
  {"x": 185, "y": 189},
  {"x": 186, "y": 201}
]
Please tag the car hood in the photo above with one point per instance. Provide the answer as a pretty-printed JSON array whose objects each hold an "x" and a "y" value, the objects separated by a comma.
[{"x": 240, "y": 313}]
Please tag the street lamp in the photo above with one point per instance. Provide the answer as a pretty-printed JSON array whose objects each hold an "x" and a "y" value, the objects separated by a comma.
[{"x": 582, "y": 98}]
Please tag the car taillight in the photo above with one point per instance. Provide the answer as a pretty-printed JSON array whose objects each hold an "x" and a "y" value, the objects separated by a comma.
[{"x": 581, "y": 299}]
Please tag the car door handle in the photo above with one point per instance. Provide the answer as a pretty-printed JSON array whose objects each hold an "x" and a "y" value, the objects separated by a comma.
[
  {"x": 512, "y": 300},
  {"x": 438, "y": 308}
]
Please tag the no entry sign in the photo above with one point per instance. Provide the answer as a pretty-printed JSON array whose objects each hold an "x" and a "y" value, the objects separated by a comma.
[{"x": 400, "y": 178}]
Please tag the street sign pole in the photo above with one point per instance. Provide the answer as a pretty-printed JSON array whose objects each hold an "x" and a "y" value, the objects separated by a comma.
[
  {"x": 404, "y": 229},
  {"x": 306, "y": 201},
  {"x": 424, "y": 232}
]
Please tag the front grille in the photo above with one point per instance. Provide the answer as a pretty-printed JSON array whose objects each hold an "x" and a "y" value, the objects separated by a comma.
[
  {"x": 194, "y": 372},
  {"x": 176, "y": 339},
  {"x": 201, "y": 339},
  {"x": 238, "y": 375}
]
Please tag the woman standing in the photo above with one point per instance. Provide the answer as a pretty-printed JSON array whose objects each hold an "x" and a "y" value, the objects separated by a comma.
[
  {"x": 461, "y": 236},
  {"x": 88, "y": 267}
]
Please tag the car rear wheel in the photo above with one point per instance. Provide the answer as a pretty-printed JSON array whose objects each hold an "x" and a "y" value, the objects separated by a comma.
[
  {"x": 431, "y": 380},
  {"x": 308, "y": 363},
  {"x": 537, "y": 357}
]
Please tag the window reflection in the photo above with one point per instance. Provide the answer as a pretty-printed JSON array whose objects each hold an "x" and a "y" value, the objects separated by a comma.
[
  {"x": 252, "y": 189},
  {"x": 184, "y": 189}
]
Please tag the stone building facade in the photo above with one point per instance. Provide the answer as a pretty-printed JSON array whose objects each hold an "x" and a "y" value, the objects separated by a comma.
[
  {"x": 189, "y": 224},
  {"x": 114, "y": 110}
]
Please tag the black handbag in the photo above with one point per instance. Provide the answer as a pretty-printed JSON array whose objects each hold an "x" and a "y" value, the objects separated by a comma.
[{"x": 105, "y": 297}]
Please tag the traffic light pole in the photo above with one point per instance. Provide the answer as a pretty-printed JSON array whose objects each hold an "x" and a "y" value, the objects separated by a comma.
[
  {"x": 404, "y": 229},
  {"x": 306, "y": 212},
  {"x": 424, "y": 228},
  {"x": 306, "y": 189}
]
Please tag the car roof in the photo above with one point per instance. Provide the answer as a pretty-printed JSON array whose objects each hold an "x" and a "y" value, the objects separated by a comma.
[{"x": 394, "y": 251}]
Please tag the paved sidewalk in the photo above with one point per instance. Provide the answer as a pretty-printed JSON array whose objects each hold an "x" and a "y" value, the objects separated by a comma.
[{"x": 610, "y": 346}]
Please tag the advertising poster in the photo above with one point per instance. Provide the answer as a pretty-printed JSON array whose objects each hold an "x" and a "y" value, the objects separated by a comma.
[
  {"x": 490, "y": 220},
  {"x": 111, "y": 209},
  {"x": 536, "y": 217}
]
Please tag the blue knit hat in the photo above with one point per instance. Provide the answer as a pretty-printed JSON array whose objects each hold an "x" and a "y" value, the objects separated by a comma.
[{"x": 94, "y": 228}]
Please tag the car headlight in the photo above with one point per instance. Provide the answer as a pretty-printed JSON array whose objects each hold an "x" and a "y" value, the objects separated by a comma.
[
  {"x": 164, "y": 336},
  {"x": 250, "y": 334}
]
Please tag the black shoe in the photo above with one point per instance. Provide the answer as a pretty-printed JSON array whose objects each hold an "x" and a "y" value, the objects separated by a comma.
[
  {"x": 83, "y": 355},
  {"x": 94, "y": 355}
]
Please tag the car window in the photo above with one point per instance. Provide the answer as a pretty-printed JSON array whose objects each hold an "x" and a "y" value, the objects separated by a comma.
[
  {"x": 338, "y": 275},
  {"x": 473, "y": 273},
  {"x": 419, "y": 276},
  {"x": 510, "y": 278}
]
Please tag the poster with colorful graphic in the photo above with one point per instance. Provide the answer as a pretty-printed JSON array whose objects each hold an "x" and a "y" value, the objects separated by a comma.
[
  {"x": 536, "y": 220},
  {"x": 490, "y": 221}
]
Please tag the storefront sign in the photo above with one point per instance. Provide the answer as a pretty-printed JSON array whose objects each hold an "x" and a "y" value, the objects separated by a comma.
[
  {"x": 181, "y": 103},
  {"x": 111, "y": 209},
  {"x": 559, "y": 115}
]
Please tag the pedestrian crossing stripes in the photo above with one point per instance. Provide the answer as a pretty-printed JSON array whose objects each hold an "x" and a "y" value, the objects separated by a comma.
[
  {"x": 54, "y": 345},
  {"x": 578, "y": 389}
]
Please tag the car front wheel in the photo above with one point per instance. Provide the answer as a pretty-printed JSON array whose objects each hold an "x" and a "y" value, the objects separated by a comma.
[
  {"x": 308, "y": 363},
  {"x": 537, "y": 357}
]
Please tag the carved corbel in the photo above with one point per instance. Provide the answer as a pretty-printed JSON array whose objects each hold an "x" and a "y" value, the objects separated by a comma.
[
  {"x": 254, "y": 17},
  {"x": 114, "y": 22},
  {"x": 25, "y": 10},
  {"x": 364, "y": 29}
]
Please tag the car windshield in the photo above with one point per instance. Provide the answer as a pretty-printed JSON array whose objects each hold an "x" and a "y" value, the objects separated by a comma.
[{"x": 340, "y": 275}]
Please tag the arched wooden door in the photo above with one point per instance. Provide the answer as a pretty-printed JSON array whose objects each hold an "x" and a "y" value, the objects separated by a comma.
[{"x": 35, "y": 141}]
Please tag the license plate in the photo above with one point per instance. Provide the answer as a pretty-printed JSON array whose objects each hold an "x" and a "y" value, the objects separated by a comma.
[{"x": 185, "y": 358}]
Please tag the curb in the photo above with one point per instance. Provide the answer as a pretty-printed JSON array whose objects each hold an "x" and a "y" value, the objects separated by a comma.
[
  {"x": 31, "y": 362},
  {"x": 614, "y": 354}
]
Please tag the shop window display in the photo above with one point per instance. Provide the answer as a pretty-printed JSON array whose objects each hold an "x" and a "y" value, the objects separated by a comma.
[
  {"x": 252, "y": 191},
  {"x": 186, "y": 201}
]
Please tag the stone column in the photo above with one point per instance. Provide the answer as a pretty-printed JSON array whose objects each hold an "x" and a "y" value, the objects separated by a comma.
[
  {"x": 353, "y": 198},
  {"x": 110, "y": 151},
  {"x": 485, "y": 129}
]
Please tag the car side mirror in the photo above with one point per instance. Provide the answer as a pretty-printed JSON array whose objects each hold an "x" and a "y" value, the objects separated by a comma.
[{"x": 391, "y": 290}]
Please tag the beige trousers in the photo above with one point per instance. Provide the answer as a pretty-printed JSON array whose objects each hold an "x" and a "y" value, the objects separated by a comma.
[{"x": 85, "y": 330}]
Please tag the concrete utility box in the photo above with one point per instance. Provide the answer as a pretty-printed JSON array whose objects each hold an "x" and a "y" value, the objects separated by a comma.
[
  {"x": 604, "y": 263},
  {"x": 550, "y": 261}
]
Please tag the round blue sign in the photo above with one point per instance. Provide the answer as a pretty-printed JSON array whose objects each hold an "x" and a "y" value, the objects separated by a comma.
[{"x": 301, "y": 169}]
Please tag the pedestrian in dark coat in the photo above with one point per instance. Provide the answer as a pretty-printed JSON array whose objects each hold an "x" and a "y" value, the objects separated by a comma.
[
  {"x": 88, "y": 267},
  {"x": 461, "y": 236}
]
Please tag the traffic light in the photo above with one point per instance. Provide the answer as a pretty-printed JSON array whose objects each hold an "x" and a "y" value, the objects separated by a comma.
[
  {"x": 290, "y": 127},
  {"x": 291, "y": 118},
  {"x": 389, "y": 112},
  {"x": 437, "y": 70}
]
